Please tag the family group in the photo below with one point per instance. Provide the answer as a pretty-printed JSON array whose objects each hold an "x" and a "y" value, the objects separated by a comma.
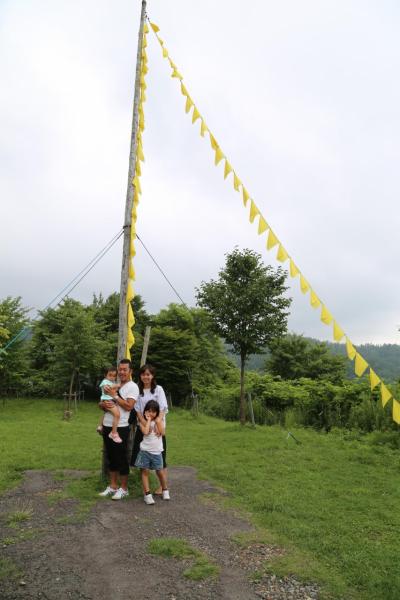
[{"x": 125, "y": 403}]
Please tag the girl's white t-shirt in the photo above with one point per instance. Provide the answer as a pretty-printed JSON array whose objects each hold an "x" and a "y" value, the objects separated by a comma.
[{"x": 151, "y": 442}]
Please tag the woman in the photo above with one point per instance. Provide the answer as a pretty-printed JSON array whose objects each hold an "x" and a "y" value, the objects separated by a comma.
[{"x": 149, "y": 390}]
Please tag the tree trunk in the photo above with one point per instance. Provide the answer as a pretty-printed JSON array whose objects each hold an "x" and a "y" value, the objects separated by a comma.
[{"x": 242, "y": 411}]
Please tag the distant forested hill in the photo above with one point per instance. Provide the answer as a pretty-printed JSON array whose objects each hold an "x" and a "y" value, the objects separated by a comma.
[{"x": 384, "y": 359}]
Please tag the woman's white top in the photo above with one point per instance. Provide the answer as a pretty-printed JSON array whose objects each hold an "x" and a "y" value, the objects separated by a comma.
[{"x": 158, "y": 395}]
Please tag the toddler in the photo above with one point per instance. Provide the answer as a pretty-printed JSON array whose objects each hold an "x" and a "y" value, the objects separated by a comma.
[{"x": 110, "y": 380}]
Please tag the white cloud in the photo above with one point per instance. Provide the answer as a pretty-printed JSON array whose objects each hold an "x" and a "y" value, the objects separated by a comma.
[{"x": 303, "y": 98}]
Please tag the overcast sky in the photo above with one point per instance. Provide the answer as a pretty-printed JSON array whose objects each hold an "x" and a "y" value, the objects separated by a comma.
[{"x": 304, "y": 99}]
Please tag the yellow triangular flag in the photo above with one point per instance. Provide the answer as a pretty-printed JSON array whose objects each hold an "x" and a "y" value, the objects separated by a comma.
[
  {"x": 282, "y": 255},
  {"x": 184, "y": 90},
  {"x": 154, "y": 27},
  {"x": 253, "y": 211},
  {"x": 189, "y": 104},
  {"x": 196, "y": 115},
  {"x": 245, "y": 194},
  {"x": 136, "y": 183},
  {"x": 172, "y": 64},
  {"x": 146, "y": 28},
  {"x": 138, "y": 170},
  {"x": 127, "y": 353},
  {"x": 227, "y": 169},
  {"x": 294, "y": 271},
  {"x": 338, "y": 332},
  {"x": 326, "y": 316},
  {"x": 130, "y": 294},
  {"x": 236, "y": 182},
  {"x": 145, "y": 69},
  {"x": 304, "y": 285},
  {"x": 314, "y": 300},
  {"x": 262, "y": 225},
  {"x": 219, "y": 155},
  {"x": 160, "y": 40},
  {"x": 351, "y": 351},
  {"x": 373, "y": 379},
  {"x": 396, "y": 412},
  {"x": 272, "y": 240},
  {"x": 385, "y": 394},
  {"x": 130, "y": 338},
  {"x": 140, "y": 152},
  {"x": 360, "y": 365},
  {"x": 131, "y": 316},
  {"x": 144, "y": 45},
  {"x": 132, "y": 271},
  {"x": 176, "y": 74},
  {"x": 203, "y": 128},
  {"x": 165, "y": 53},
  {"x": 213, "y": 142}
]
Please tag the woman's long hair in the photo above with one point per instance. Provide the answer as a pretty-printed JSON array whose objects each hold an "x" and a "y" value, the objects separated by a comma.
[{"x": 153, "y": 381}]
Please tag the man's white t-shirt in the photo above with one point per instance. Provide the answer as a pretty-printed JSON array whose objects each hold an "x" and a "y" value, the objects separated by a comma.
[{"x": 128, "y": 390}]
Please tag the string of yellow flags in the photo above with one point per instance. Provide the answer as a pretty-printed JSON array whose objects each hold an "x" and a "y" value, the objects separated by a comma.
[
  {"x": 272, "y": 241},
  {"x": 130, "y": 294}
]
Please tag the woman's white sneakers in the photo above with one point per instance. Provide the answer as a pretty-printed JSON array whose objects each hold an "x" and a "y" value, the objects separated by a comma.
[
  {"x": 148, "y": 499},
  {"x": 165, "y": 495}
]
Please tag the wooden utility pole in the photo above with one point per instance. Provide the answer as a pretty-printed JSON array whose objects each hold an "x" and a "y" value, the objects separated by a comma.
[
  {"x": 123, "y": 309},
  {"x": 146, "y": 342}
]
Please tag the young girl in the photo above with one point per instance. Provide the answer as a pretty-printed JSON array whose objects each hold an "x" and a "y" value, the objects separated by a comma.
[
  {"x": 150, "y": 453},
  {"x": 149, "y": 390},
  {"x": 110, "y": 380}
]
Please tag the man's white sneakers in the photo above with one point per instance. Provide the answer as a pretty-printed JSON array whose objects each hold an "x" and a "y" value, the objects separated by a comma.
[
  {"x": 148, "y": 499},
  {"x": 109, "y": 491},
  {"x": 165, "y": 495},
  {"x": 119, "y": 494}
]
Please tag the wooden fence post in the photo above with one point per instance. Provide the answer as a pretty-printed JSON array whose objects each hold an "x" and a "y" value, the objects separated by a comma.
[{"x": 251, "y": 409}]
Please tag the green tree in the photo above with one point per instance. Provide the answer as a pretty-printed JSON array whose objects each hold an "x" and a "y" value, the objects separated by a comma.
[
  {"x": 293, "y": 356},
  {"x": 67, "y": 345},
  {"x": 13, "y": 322},
  {"x": 106, "y": 313},
  {"x": 184, "y": 348},
  {"x": 247, "y": 306},
  {"x": 79, "y": 348}
]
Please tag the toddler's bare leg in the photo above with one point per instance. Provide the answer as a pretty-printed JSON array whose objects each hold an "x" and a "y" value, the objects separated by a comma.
[{"x": 115, "y": 413}]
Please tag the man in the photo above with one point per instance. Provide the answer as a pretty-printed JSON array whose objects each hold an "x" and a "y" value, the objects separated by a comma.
[{"x": 117, "y": 453}]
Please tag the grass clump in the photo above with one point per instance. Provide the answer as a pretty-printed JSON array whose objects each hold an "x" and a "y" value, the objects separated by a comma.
[
  {"x": 171, "y": 548},
  {"x": 202, "y": 567},
  {"x": 23, "y": 512},
  {"x": 8, "y": 569}
]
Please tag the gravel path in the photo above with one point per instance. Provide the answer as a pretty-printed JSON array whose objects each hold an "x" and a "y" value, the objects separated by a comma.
[{"x": 106, "y": 555}]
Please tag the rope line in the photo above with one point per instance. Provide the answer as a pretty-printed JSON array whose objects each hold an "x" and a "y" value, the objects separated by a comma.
[
  {"x": 76, "y": 280},
  {"x": 162, "y": 273}
]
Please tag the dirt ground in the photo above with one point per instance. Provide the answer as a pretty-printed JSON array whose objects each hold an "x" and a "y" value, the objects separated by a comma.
[{"x": 105, "y": 555}]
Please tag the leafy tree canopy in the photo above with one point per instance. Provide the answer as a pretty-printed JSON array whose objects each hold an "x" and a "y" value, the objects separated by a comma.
[
  {"x": 247, "y": 305},
  {"x": 294, "y": 356}
]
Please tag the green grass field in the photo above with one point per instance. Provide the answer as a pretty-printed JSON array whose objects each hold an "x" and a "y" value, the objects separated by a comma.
[{"x": 332, "y": 500}]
